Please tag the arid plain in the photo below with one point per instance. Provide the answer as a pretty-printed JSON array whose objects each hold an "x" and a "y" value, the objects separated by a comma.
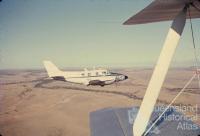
[{"x": 31, "y": 104}]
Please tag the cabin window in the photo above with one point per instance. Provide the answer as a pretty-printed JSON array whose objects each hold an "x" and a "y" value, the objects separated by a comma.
[
  {"x": 82, "y": 74},
  {"x": 104, "y": 73},
  {"x": 89, "y": 74}
]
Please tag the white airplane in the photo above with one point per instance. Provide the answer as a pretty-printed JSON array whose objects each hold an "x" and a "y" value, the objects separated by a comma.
[{"x": 87, "y": 77}]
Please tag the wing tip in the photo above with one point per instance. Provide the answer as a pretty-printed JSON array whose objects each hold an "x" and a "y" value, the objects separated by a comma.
[{"x": 129, "y": 22}]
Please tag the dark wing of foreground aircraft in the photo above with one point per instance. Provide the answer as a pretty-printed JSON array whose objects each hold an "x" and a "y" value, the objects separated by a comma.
[
  {"x": 159, "y": 10},
  {"x": 163, "y": 10}
]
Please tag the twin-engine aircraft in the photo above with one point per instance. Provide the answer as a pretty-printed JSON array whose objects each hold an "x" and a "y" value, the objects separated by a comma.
[{"x": 87, "y": 77}]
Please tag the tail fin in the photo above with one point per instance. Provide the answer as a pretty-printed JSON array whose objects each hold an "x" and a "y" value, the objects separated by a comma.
[{"x": 51, "y": 69}]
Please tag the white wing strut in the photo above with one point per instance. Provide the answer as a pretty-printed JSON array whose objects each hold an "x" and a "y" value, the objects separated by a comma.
[{"x": 159, "y": 74}]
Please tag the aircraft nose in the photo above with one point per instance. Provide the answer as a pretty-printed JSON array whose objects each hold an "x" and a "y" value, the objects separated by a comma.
[{"x": 121, "y": 77}]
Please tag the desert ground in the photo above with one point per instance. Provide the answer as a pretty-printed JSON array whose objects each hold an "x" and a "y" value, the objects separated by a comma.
[{"x": 33, "y": 105}]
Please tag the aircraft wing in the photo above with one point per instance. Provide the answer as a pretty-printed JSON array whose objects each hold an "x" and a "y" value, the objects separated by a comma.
[{"x": 163, "y": 10}]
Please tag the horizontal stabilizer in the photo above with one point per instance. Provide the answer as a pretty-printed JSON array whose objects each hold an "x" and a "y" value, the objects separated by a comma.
[{"x": 163, "y": 10}]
